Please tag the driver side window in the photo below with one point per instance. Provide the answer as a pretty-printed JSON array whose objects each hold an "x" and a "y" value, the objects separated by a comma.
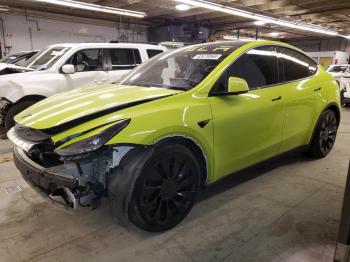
[
  {"x": 87, "y": 60},
  {"x": 258, "y": 66}
]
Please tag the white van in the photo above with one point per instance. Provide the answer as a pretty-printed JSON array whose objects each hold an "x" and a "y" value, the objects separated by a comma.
[{"x": 63, "y": 67}]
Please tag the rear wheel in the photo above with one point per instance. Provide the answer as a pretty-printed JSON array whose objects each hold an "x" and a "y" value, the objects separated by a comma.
[
  {"x": 14, "y": 110},
  {"x": 166, "y": 189},
  {"x": 325, "y": 135}
]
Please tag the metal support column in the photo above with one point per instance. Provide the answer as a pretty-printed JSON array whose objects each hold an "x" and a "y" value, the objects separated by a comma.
[{"x": 342, "y": 250}]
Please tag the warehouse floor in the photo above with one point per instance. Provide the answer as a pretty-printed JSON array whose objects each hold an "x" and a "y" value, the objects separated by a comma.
[{"x": 287, "y": 210}]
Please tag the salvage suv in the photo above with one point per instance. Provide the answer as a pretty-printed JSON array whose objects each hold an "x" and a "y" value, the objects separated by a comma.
[
  {"x": 174, "y": 125},
  {"x": 64, "y": 67}
]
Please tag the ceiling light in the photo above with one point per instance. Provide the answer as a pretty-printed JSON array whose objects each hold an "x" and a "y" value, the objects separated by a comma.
[
  {"x": 259, "y": 22},
  {"x": 4, "y": 8},
  {"x": 258, "y": 17},
  {"x": 274, "y": 34},
  {"x": 93, "y": 7},
  {"x": 182, "y": 7},
  {"x": 231, "y": 37}
]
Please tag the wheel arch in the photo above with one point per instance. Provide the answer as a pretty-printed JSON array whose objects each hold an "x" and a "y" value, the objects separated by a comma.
[
  {"x": 121, "y": 186},
  {"x": 335, "y": 109},
  {"x": 30, "y": 98},
  {"x": 197, "y": 151},
  {"x": 331, "y": 106}
]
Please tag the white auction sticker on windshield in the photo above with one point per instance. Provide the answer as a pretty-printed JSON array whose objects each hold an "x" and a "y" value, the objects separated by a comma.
[{"x": 207, "y": 56}]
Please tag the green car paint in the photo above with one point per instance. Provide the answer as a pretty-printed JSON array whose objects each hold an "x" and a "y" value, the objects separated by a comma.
[{"x": 242, "y": 129}]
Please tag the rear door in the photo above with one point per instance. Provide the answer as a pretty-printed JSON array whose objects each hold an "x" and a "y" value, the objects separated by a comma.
[
  {"x": 120, "y": 61},
  {"x": 303, "y": 97}
]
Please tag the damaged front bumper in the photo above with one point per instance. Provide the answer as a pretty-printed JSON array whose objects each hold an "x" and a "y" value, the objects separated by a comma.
[
  {"x": 81, "y": 183},
  {"x": 42, "y": 181}
]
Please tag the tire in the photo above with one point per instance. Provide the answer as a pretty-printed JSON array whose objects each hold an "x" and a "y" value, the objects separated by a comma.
[
  {"x": 14, "y": 110},
  {"x": 325, "y": 135},
  {"x": 166, "y": 188}
]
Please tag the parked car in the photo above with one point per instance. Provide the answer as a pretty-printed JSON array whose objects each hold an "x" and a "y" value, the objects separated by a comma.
[
  {"x": 342, "y": 74},
  {"x": 172, "y": 126},
  {"x": 346, "y": 95},
  {"x": 15, "y": 63},
  {"x": 18, "y": 58},
  {"x": 6, "y": 69},
  {"x": 64, "y": 67}
]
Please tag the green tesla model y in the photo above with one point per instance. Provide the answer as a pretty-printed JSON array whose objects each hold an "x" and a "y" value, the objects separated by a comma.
[{"x": 174, "y": 125}]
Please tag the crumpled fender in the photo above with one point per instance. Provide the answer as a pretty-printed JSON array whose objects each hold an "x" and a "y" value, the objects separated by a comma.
[
  {"x": 121, "y": 181},
  {"x": 13, "y": 87}
]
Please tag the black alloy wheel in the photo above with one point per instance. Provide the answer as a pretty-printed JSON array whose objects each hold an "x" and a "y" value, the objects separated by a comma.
[
  {"x": 166, "y": 190},
  {"x": 325, "y": 135},
  {"x": 328, "y": 133}
]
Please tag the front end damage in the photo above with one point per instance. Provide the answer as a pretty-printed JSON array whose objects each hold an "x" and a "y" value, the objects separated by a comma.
[{"x": 77, "y": 181}]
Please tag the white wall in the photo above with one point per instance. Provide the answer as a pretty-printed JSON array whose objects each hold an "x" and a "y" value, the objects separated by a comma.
[
  {"x": 323, "y": 44},
  {"x": 18, "y": 33},
  {"x": 337, "y": 56}
]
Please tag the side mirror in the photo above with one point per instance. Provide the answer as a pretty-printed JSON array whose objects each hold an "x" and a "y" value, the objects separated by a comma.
[
  {"x": 68, "y": 69},
  {"x": 237, "y": 86}
]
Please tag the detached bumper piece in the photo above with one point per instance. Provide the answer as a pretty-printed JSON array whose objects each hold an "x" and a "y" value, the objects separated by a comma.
[{"x": 62, "y": 189}]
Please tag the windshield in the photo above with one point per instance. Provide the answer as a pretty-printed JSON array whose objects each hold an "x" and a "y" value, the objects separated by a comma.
[
  {"x": 180, "y": 69},
  {"x": 46, "y": 58},
  {"x": 338, "y": 69}
]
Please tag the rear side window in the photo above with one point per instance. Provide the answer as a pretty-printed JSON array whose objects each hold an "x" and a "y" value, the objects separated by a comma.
[
  {"x": 258, "y": 66},
  {"x": 295, "y": 65},
  {"x": 124, "y": 58},
  {"x": 153, "y": 52}
]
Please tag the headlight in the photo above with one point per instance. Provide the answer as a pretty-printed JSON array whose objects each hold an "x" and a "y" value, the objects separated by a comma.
[{"x": 94, "y": 142}]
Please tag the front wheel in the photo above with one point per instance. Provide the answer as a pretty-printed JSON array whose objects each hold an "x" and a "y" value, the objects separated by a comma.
[
  {"x": 14, "y": 110},
  {"x": 325, "y": 135},
  {"x": 166, "y": 189}
]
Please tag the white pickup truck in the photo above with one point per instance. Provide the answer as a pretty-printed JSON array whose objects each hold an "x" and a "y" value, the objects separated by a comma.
[{"x": 63, "y": 67}]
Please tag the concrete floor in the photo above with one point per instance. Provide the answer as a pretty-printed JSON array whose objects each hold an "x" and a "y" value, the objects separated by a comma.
[{"x": 287, "y": 210}]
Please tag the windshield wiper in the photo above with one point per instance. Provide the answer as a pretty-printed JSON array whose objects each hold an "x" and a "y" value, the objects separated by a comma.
[
  {"x": 177, "y": 88},
  {"x": 190, "y": 82}
]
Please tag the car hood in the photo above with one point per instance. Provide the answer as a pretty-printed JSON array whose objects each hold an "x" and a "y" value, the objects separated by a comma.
[
  {"x": 14, "y": 68},
  {"x": 65, "y": 110}
]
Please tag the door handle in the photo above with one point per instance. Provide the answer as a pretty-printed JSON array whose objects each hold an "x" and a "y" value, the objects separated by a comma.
[
  {"x": 277, "y": 98},
  {"x": 318, "y": 89}
]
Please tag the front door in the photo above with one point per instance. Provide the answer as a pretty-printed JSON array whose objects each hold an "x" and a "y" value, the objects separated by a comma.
[
  {"x": 247, "y": 127},
  {"x": 89, "y": 70}
]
